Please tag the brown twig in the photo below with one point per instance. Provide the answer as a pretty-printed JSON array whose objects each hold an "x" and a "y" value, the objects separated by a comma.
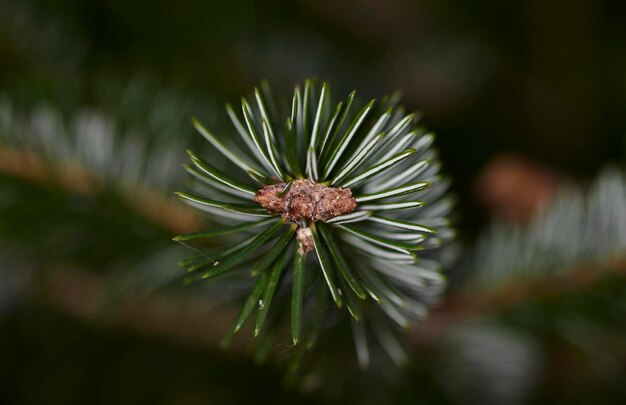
[
  {"x": 466, "y": 305},
  {"x": 156, "y": 207},
  {"x": 198, "y": 322},
  {"x": 182, "y": 318}
]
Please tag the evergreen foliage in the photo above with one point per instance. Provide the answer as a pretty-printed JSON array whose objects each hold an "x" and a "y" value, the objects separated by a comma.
[
  {"x": 580, "y": 229},
  {"x": 371, "y": 253}
]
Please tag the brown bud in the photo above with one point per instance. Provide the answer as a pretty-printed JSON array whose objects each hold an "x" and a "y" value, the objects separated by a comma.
[{"x": 305, "y": 199}]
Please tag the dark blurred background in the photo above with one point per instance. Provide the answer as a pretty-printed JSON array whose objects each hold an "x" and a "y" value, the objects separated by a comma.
[{"x": 523, "y": 96}]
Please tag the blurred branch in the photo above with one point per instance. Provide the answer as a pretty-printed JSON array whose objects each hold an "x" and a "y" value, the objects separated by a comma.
[
  {"x": 154, "y": 206},
  {"x": 28, "y": 166},
  {"x": 175, "y": 316},
  {"x": 465, "y": 305},
  {"x": 198, "y": 322}
]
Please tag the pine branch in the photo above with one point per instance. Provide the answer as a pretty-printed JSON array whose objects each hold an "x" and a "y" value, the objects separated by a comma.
[
  {"x": 179, "y": 317},
  {"x": 338, "y": 185},
  {"x": 579, "y": 226},
  {"x": 465, "y": 305},
  {"x": 151, "y": 204},
  {"x": 175, "y": 316},
  {"x": 577, "y": 240}
]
